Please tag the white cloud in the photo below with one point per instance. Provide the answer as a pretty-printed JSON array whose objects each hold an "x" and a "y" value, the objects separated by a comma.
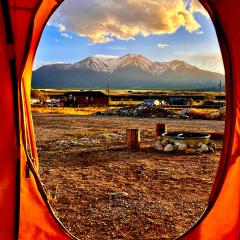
[
  {"x": 103, "y": 21},
  {"x": 199, "y": 32},
  {"x": 61, "y": 27},
  {"x": 118, "y": 48},
  {"x": 105, "y": 56},
  {"x": 65, "y": 35},
  {"x": 211, "y": 61},
  {"x": 162, "y": 45},
  {"x": 56, "y": 40}
]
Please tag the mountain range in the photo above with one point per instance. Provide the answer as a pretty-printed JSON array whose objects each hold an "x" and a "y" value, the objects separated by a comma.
[{"x": 131, "y": 71}]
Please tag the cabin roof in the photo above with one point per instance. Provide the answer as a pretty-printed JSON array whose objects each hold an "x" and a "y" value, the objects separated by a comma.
[{"x": 86, "y": 94}]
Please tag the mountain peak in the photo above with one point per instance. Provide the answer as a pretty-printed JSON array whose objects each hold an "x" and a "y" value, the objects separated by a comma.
[
  {"x": 180, "y": 65},
  {"x": 91, "y": 63},
  {"x": 137, "y": 61},
  {"x": 135, "y": 57},
  {"x": 132, "y": 55},
  {"x": 130, "y": 71}
]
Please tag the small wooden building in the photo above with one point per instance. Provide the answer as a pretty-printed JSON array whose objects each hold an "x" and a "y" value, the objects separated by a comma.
[
  {"x": 85, "y": 98},
  {"x": 178, "y": 101}
]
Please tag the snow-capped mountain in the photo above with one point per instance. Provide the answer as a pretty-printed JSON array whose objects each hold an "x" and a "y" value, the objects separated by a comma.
[
  {"x": 128, "y": 71},
  {"x": 134, "y": 60},
  {"x": 137, "y": 61},
  {"x": 91, "y": 63}
]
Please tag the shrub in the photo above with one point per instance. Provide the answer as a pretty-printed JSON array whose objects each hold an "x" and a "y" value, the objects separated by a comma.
[{"x": 206, "y": 114}]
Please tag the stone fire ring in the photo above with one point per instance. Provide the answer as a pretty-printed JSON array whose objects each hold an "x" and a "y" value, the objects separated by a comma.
[
  {"x": 188, "y": 142},
  {"x": 189, "y": 138}
]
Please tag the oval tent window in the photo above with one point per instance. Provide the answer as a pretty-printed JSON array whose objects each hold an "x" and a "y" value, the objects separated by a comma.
[{"x": 128, "y": 109}]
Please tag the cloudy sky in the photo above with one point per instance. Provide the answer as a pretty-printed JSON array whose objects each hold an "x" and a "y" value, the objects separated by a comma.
[{"x": 162, "y": 30}]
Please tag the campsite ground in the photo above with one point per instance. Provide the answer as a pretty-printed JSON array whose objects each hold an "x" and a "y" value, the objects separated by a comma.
[{"x": 101, "y": 191}]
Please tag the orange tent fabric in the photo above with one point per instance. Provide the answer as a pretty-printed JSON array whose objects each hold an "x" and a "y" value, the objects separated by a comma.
[{"x": 25, "y": 212}]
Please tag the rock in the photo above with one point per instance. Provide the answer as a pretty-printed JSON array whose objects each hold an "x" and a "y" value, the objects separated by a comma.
[
  {"x": 199, "y": 150},
  {"x": 200, "y": 144},
  {"x": 175, "y": 147},
  {"x": 190, "y": 150},
  {"x": 139, "y": 111},
  {"x": 158, "y": 146},
  {"x": 168, "y": 148},
  {"x": 118, "y": 194},
  {"x": 223, "y": 108},
  {"x": 204, "y": 148},
  {"x": 212, "y": 145},
  {"x": 182, "y": 147},
  {"x": 191, "y": 146},
  {"x": 164, "y": 142},
  {"x": 211, "y": 150},
  {"x": 123, "y": 112},
  {"x": 74, "y": 143},
  {"x": 177, "y": 143},
  {"x": 184, "y": 112},
  {"x": 63, "y": 143},
  {"x": 135, "y": 112}
]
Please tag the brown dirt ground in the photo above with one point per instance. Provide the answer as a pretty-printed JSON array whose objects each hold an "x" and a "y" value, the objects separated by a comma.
[{"x": 102, "y": 191}]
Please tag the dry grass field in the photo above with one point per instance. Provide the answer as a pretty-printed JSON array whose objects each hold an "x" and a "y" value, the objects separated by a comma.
[
  {"x": 102, "y": 191},
  {"x": 70, "y": 110}
]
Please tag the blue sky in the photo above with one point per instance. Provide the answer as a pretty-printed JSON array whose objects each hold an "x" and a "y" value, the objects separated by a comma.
[{"x": 79, "y": 29}]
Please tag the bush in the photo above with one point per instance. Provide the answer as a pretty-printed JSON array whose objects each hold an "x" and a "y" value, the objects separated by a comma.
[
  {"x": 206, "y": 114},
  {"x": 38, "y": 94}
]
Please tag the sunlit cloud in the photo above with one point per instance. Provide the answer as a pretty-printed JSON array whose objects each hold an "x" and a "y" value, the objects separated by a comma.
[
  {"x": 65, "y": 35},
  {"x": 211, "y": 61},
  {"x": 162, "y": 45},
  {"x": 61, "y": 27},
  {"x": 196, "y": 6},
  {"x": 105, "y": 56},
  {"x": 109, "y": 20}
]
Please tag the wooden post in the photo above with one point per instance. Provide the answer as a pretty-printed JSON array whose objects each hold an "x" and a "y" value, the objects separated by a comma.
[
  {"x": 133, "y": 139},
  {"x": 160, "y": 129}
]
